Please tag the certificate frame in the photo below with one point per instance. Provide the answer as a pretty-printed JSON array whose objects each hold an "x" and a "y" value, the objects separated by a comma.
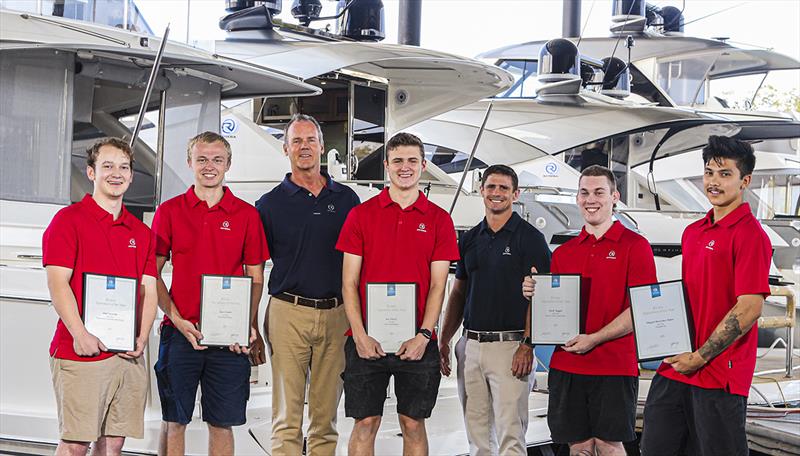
[
  {"x": 684, "y": 316},
  {"x": 575, "y": 309},
  {"x": 414, "y": 285},
  {"x": 86, "y": 309},
  {"x": 203, "y": 310}
]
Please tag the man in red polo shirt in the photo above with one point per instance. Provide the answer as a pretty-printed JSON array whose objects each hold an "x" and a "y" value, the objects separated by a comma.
[
  {"x": 101, "y": 396},
  {"x": 593, "y": 378},
  {"x": 697, "y": 401},
  {"x": 206, "y": 230},
  {"x": 398, "y": 236}
]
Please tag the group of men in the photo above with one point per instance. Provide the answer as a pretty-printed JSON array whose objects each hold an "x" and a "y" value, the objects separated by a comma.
[{"x": 326, "y": 247}]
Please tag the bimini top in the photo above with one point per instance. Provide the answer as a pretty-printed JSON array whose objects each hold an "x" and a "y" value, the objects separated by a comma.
[
  {"x": 20, "y": 31},
  {"x": 421, "y": 83},
  {"x": 730, "y": 60}
]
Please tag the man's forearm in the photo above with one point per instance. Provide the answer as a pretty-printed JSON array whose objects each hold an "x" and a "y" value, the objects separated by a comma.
[
  {"x": 737, "y": 322},
  {"x": 66, "y": 307},
  {"x": 433, "y": 306},
  {"x": 352, "y": 309},
  {"x": 257, "y": 273},
  {"x": 453, "y": 315},
  {"x": 617, "y": 328},
  {"x": 148, "y": 308}
]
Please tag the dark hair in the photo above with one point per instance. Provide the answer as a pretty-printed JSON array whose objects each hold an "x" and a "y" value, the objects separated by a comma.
[
  {"x": 208, "y": 137},
  {"x": 302, "y": 118},
  {"x": 94, "y": 150},
  {"x": 405, "y": 139},
  {"x": 503, "y": 170},
  {"x": 741, "y": 152},
  {"x": 597, "y": 170}
]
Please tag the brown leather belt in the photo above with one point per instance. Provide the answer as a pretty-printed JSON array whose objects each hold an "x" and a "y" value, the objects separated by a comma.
[
  {"x": 495, "y": 336},
  {"x": 328, "y": 303}
]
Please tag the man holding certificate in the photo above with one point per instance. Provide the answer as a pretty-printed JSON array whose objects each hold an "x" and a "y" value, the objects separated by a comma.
[
  {"x": 397, "y": 252},
  {"x": 495, "y": 356},
  {"x": 216, "y": 244},
  {"x": 305, "y": 319},
  {"x": 698, "y": 400},
  {"x": 593, "y": 378},
  {"x": 100, "y": 263}
]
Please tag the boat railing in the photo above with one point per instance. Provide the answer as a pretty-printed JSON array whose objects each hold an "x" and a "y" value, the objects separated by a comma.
[{"x": 787, "y": 321}]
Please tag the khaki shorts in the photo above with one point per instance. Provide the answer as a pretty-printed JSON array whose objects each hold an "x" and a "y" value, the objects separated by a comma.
[{"x": 100, "y": 398}]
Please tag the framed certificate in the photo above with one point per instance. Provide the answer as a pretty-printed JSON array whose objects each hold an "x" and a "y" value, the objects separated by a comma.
[
  {"x": 225, "y": 310},
  {"x": 109, "y": 310},
  {"x": 555, "y": 308},
  {"x": 660, "y": 320},
  {"x": 391, "y": 313}
]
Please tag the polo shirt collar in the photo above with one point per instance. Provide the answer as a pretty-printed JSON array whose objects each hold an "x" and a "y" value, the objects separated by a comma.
[
  {"x": 613, "y": 233},
  {"x": 99, "y": 213},
  {"x": 226, "y": 203},
  {"x": 730, "y": 219},
  {"x": 291, "y": 188},
  {"x": 511, "y": 225},
  {"x": 421, "y": 204}
]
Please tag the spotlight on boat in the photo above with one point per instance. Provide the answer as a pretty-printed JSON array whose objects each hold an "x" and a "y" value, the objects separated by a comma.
[
  {"x": 306, "y": 11},
  {"x": 616, "y": 78},
  {"x": 673, "y": 20},
  {"x": 363, "y": 20},
  {"x": 628, "y": 16},
  {"x": 274, "y": 6}
]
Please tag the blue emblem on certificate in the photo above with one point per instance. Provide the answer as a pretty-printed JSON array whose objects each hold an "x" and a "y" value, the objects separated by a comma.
[
  {"x": 111, "y": 283},
  {"x": 555, "y": 281},
  {"x": 226, "y": 283},
  {"x": 655, "y": 291},
  {"x": 391, "y": 289}
]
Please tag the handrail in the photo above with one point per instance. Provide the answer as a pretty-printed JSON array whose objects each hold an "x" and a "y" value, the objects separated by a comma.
[{"x": 786, "y": 321}]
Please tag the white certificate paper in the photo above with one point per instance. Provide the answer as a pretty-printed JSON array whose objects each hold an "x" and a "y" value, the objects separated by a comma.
[
  {"x": 225, "y": 310},
  {"x": 391, "y": 313},
  {"x": 660, "y": 320},
  {"x": 109, "y": 310},
  {"x": 555, "y": 308}
]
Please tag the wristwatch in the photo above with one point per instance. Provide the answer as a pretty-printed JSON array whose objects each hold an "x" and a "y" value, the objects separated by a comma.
[
  {"x": 425, "y": 333},
  {"x": 527, "y": 341}
]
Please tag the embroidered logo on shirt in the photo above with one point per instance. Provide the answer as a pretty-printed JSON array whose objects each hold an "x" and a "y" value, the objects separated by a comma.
[
  {"x": 421, "y": 228},
  {"x": 226, "y": 225},
  {"x": 710, "y": 245},
  {"x": 507, "y": 251},
  {"x": 331, "y": 208},
  {"x": 612, "y": 255},
  {"x": 132, "y": 243}
]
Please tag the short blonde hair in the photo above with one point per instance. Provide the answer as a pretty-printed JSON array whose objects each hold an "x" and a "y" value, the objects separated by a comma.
[{"x": 208, "y": 137}]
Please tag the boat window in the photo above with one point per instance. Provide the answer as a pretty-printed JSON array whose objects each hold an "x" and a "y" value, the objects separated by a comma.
[
  {"x": 775, "y": 91},
  {"x": 684, "y": 80},
  {"x": 35, "y": 132},
  {"x": 369, "y": 131},
  {"x": 612, "y": 153},
  {"x": 769, "y": 194},
  {"x": 450, "y": 161},
  {"x": 525, "y": 81},
  {"x": 115, "y": 13}
]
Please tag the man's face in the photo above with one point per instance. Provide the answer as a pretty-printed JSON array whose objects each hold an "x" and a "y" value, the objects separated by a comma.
[
  {"x": 723, "y": 182},
  {"x": 210, "y": 162},
  {"x": 596, "y": 200},
  {"x": 303, "y": 146},
  {"x": 498, "y": 193},
  {"x": 112, "y": 173},
  {"x": 404, "y": 165}
]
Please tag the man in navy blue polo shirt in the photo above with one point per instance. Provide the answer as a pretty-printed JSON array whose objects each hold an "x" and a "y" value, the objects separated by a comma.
[
  {"x": 305, "y": 319},
  {"x": 494, "y": 354}
]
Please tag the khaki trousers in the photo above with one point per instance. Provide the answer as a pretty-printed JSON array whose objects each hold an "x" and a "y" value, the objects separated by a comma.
[
  {"x": 495, "y": 403},
  {"x": 302, "y": 338}
]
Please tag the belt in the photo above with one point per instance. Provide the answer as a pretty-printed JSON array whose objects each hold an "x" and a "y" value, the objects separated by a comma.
[
  {"x": 327, "y": 303},
  {"x": 495, "y": 336}
]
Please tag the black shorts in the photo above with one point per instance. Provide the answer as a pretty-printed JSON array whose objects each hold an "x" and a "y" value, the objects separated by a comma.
[
  {"x": 584, "y": 406},
  {"x": 416, "y": 383},
  {"x": 685, "y": 419}
]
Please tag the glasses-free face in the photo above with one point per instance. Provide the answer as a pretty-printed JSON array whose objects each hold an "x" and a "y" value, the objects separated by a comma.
[
  {"x": 404, "y": 166},
  {"x": 112, "y": 173},
  {"x": 498, "y": 193},
  {"x": 209, "y": 162},
  {"x": 303, "y": 146},
  {"x": 596, "y": 199},
  {"x": 723, "y": 182}
]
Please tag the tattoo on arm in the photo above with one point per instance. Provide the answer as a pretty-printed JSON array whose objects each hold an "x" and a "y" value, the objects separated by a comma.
[{"x": 722, "y": 338}]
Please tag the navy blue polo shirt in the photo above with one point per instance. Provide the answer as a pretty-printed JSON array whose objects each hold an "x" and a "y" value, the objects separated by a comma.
[
  {"x": 302, "y": 231},
  {"x": 494, "y": 265}
]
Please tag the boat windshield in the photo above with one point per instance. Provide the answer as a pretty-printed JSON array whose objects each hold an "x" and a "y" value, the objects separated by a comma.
[
  {"x": 122, "y": 14},
  {"x": 525, "y": 82}
]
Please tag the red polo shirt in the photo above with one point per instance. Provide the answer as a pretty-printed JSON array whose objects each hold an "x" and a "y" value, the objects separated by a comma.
[
  {"x": 202, "y": 240},
  {"x": 722, "y": 261},
  {"x": 84, "y": 237},
  {"x": 608, "y": 266},
  {"x": 398, "y": 245}
]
